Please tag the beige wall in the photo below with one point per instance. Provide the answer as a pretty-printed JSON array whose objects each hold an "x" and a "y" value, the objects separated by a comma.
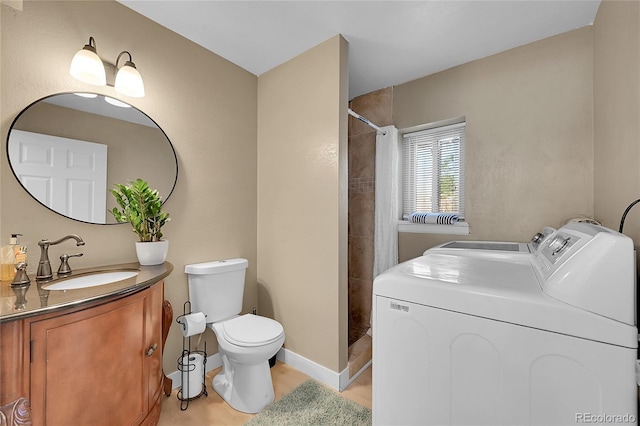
[
  {"x": 206, "y": 105},
  {"x": 529, "y": 137},
  {"x": 302, "y": 190},
  {"x": 617, "y": 114}
]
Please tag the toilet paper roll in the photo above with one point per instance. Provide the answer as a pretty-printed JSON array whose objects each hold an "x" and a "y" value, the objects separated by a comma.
[
  {"x": 192, "y": 375},
  {"x": 193, "y": 324}
]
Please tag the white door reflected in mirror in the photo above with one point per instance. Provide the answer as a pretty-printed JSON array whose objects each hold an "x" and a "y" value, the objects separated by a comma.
[{"x": 66, "y": 175}]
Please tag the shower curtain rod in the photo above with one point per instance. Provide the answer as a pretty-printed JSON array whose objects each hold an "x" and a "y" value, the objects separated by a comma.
[{"x": 365, "y": 121}]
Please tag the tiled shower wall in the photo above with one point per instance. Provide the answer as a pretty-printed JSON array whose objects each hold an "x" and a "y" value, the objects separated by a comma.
[{"x": 377, "y": 107}]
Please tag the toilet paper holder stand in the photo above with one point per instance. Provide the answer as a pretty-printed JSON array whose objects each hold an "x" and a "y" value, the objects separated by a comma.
[{"x": 189, "y": 366}]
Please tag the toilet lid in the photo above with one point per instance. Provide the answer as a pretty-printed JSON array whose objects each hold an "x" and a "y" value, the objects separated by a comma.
[{"x": 251, "y": 330}]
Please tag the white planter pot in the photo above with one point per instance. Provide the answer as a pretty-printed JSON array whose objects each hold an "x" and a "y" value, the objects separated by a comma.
[{"x": 152, "y": 253}]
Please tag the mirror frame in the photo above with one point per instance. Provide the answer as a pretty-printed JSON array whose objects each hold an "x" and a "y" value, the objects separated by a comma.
[{"x": 15, "y": 120}]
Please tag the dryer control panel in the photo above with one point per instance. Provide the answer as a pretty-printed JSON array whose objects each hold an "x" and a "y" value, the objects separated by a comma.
[
  {"x": 558, "y": 245},
  {"x": 540, "y": 237},
  {"x": 590, "y": 267}
]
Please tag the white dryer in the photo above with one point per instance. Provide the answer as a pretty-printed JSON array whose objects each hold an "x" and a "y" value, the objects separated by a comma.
[{"x": 485, "y": 337}]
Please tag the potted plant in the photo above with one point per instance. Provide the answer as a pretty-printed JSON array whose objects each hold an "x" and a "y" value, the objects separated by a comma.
[{"x": 141, "y": 206}]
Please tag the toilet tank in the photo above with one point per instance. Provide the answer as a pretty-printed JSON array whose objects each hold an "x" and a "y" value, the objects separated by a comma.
[{"x": 217, "y": 288}]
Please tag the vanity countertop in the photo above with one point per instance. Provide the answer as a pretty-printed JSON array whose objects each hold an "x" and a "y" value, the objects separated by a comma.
[{"x": 21, "y": 302}]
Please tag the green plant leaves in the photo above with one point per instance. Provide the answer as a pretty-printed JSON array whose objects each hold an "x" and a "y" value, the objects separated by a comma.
[{"x": 141, "y": 206}]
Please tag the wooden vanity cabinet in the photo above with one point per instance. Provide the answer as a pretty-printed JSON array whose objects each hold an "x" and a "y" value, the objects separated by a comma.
[
  {"x": 101, "y": 365},
  {"x": 13, "y": 369}
]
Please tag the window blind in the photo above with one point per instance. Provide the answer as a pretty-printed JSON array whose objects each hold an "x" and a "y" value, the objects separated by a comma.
[{"x": 433, "y": 170}]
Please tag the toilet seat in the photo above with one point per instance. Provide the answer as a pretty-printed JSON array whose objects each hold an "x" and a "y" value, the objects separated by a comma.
[{"x": 251, "y": 330}]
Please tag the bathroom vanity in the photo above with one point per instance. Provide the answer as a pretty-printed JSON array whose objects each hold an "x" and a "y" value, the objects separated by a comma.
[{"x": 90, "y": 355}]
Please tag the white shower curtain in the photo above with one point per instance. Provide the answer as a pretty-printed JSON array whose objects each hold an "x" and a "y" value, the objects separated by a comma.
[
  {"x": 385, "y": 237},
  {"x": 386, "y": 206}
]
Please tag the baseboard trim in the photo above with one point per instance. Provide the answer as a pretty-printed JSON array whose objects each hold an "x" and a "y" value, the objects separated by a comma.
[
  {"x": 338, "y": 381},
  {"x": 311, "y": 368}
]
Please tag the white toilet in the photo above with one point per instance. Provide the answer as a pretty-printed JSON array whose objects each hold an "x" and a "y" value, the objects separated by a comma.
[{"x": 245, "y": 342}]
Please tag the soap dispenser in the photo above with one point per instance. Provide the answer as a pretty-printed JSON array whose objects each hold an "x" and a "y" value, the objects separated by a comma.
[
  {"x": 19, "y": 251},
  {"x": 8, "y": 259}
]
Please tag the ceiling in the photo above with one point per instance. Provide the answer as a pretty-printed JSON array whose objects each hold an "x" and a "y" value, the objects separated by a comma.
[{"x": 390, "y": 42}]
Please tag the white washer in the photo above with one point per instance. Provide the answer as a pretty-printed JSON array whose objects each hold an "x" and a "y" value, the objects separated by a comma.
[{"x": 484, "y": 337}]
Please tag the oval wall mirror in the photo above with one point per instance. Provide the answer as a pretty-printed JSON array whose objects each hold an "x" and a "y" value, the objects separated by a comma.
[{"x": 69, "y": 149}]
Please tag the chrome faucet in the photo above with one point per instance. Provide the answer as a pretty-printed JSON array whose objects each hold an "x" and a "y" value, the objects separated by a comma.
[{"x": 44, "y": 266}]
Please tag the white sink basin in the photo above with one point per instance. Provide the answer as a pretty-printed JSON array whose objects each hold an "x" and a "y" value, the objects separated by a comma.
[{"x": 91, "y": 280}]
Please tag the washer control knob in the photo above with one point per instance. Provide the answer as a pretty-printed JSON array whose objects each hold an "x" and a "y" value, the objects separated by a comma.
[
  {"x": 537, "y": 238},
  {"x": 558, "y": 244}
]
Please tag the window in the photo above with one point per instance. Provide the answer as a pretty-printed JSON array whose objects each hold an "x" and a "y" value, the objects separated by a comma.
[{"x": 433, "y": 170}]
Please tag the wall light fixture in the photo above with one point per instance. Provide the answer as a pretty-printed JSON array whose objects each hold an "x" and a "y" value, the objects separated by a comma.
[{"x": 87, "y": 66}]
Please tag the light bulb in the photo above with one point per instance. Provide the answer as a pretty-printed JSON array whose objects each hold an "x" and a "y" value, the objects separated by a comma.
[
  {"x": 129, "y": 81},
  {"x": 87, "y": 66}
]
